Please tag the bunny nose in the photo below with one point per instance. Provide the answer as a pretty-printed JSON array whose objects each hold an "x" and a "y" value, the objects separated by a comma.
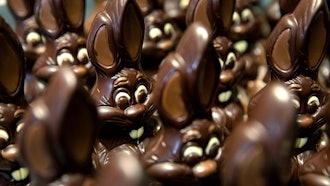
[
  {"x": 226, "y": 77},
  {"x": 135, "y": 111},
  {"x": 304, "y": 120},
  {"x": 10, "y": 153},
  {"x": 205, "y": 168}
]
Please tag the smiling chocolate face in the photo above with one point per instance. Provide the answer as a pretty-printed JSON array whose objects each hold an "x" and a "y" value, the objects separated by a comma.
[
  {"x": 311, "y": 101},
  {"x": 11, "y": 172},
  {"x": 125, "y": 105}
]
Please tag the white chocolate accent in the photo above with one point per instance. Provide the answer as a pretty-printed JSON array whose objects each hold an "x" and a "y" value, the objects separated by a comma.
[
  {"x": 64, "y": 57},
  {"x": 136, "y": 134},
  {"x": 193, "y": 150},
  {"x": 168, "y": 28},
  {"x": 122, "y": 94},
  {"x": 19, "y": 127},
  {"x": 224, "y": 96},
  {"x": 296, "y": 103},
  {"x": 4, "y": 135},
  {"x": 231, "y": 57},
  {"x": 20, "y": 174},
  {"x": 247, "y": 15},
  {"x": 313, "y": 99},
  {"x": 155, "y": 32},
  {"x": 236, "y": 18},
  {"x": 213, "y": 141},
  {"x": 33, "y": 36},
  {"x": 241, "y": 46},
  {"x": 140, "y": 88},
  {"x": 184, "y": 4},
  {"x": 300, "y": 142},
  {"x": 82, "y": 53}
]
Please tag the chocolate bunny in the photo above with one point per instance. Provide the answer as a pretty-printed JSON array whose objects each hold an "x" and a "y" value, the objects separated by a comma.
[
  {"x": 160, "y": 37},
  {"x": 61, "y": 23},
  {"x": 12, "y": 106},
  {"x": 295, "y": 50},
  {"x": 187, "y": 147},
  {"x": 258, "y": 151},
  {"x": 177, "y": 10},
  {"x": 57, "y": 140},
  {"x": 122, "y": 92},
  {"x": 217, "y": 16},
  {"x": 32, "y": 40}
]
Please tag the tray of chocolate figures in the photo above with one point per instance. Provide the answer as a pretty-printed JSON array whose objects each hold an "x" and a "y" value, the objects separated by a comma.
[{"x": 164, "y": 92}]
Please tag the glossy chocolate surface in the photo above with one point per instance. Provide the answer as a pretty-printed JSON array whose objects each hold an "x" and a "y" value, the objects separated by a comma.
[{"x": 122, "y": 92}]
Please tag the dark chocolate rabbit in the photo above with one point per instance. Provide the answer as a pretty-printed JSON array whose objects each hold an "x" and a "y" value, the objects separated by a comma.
[
  {"x": 57, "y": 140},
  {"x": 187, "y": 148},
  {"x": 12, "y": 105},
  {"x": 258, "y": 151},
  {"x": 33, "y": 43},
  {"x": 61, "y": 23},
  {"x": 295, "y": 50},
  {"x": 122, "y": 92}
]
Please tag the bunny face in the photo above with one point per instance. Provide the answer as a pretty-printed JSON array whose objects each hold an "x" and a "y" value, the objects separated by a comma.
[
  {"x": 11, "y": 171},
  {"x": 190, "y": 156},
  {"x": 311, "y": 102},
  {"x": 125, "y": 104},
  {"x": 161, "y": 37},
  {"x": 246, "y": 22}
]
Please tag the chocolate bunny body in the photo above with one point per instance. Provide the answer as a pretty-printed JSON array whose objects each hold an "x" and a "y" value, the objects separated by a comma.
[
  {"x": 295, "y": 50},
  {"x": 57, "y": 140},
  {"x": 12, "y": 106},
  {"x": 187, "y": 148},
  {"x": 122, "y": 92},
  {"x": 259, "y": 150},
  {"x": 61, "y": 23}
]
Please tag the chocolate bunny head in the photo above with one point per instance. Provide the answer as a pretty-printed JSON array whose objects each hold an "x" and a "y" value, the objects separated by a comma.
[
  {"x": 295, "y": 49},
  {"x": 27, "y": 29},
  {"x": 61, "y": 22},
  {"x": 188, "y": 145},
  {"x": 58, "y": 136},
  {"x": 122, "y": 91},
  {"x": 161, "y": 37},
  {"x": 12, "y": 104}
]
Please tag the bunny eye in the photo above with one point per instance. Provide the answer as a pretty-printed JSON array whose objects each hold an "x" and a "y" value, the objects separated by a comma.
[
  {"x": 4, "y": 135},
  {"x": 236, "y": 18},
  {"x": 231, "y": 59},
  {"x": 33, "y": 38},
  {"x": 122, "y": 100},
  {"x": 155, "y": 33},
  {"x": 141, "y": 94},
  {"x": 64, "y": 57},
  {"x": 19, "y": 127},
  {"x": 212, "y": 147},
  {"x": 192, "y": 154},
  {"x": 184, "y": 4},
  {"x": 169, "y": 29},
  {"x": 82, "y": 55},
  {"x": 313, "y": 104},
  {"x": 296, "y": 103},
  {"x": 247, "y": 15}
]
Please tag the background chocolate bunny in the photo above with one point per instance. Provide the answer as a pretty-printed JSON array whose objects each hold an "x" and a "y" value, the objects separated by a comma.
[
  {"x": 186, "y": 149},
  {"x": 259, "y": 150},
  {"x": 57, "y": 140},
  {"x": 295, "y": 50},
  {"x": 122, "y": 92},
  {"x": 65, "y": 40},
  {"x": 33, "y": 43},
  {"x": 12, "y": 106}
]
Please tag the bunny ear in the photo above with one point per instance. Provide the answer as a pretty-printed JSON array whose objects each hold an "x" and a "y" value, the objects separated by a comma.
[
  {"x": 171, "y": 91},
  {"x": 313, "y": 16},
  {"x": 197, "y": 11},
  {"x": 281, "y": 52},
  {"x": 21, "y": 8},
  {"x": 201, "y": 65},
  {"x": 220, "y": 15},
  {"x": 188, "y": 78},
  {"x": 72, "y": 12},
  {"x": 62, "y": 127},
  {"x": 128, "y": 25},
  {"x": 47, "y": 18},
  {"x": 12, "y": 65}
]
